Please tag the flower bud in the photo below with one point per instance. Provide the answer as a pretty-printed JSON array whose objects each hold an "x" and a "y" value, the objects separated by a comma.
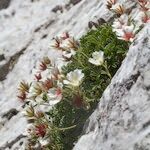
[
  {"x": 22, "y": 96},
  {"x": 38, "y": 76},
  {"x": 39, "y": 114},
  {"x": 78, "y": 101},
  {"x": 46, "y": 60},
  {"x": 40, "y": 130},
  {"x": 23, "y": 87},
  {"x": 110, "y": 3},
  {"x": 65, "y": 35},
  {"x": 43, "y": 66},
  {"x": 120, "y": 10},
  {"x": 56, "y": 43},
  {"x": 30, "y": 112},
  {"x": 48, "y": 84}
]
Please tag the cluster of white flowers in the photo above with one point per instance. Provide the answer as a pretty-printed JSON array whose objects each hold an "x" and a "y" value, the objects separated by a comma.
[
  {"x": 46, "y": 89},
  {"x": 126, "y": 25},
  {"x": 48, "y": 84}
]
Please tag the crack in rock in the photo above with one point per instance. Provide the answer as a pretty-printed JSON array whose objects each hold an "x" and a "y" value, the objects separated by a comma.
[
  {"x": 44, "y": 25},
  {"x": 4, "y": 4},
  {"x": 2, "y": 57},
  {"x": 57, "y": 8},
  {"x": 4, "y": 70},
  {"x": 12, "y": 112},
  {"x": 10, "y": 144}
]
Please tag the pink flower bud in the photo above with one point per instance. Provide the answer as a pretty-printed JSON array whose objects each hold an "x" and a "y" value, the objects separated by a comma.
[
  {"x": 40, "y": 130},
  {"x": 38, "y": 76},
  {"x": 43, "y": 66}
]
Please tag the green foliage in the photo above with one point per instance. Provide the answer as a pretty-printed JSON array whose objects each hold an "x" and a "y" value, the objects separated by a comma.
[{"x": 96, "y": 79}]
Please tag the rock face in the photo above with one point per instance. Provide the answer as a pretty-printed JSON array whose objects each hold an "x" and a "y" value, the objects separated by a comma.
[
  {"x": 121, "y": 120},
  {"x": 27, "y": 27}
]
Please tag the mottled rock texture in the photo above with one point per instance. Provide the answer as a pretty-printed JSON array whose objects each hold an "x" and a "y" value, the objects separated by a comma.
[
  {"x": 122, "y": 118},
  {"x": 27, "y": 27}
]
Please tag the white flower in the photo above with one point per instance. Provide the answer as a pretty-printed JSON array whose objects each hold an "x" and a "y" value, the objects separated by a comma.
[
  {"x": 59, "y": 84},
  {"x": 116, "y": 25},
  {"x": 44, "y": 142},
  {"x": 36, "y": 92},
  {"x": 74, "y": 78},
  {"x": 39, "y": 99},
  {"x": 60, "y": 62},
  {"x": 98, "y": 58},
  {"x": 69, "y": 54},
  {"x": 65, "y": 44},
  {"x": 46, "y": 74},
  {"x": 119, "y": 22},
  {"x": 53, "y": 96},
  {"x": 127, "y": 33}
]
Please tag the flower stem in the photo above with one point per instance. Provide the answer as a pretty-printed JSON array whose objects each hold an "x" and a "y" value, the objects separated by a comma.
[
  {"x": 107, "y": 71},
  {"x": 67, "y": 128},
  {"x": 85, "y": 55},
  {"x": 79, "y": 62}
]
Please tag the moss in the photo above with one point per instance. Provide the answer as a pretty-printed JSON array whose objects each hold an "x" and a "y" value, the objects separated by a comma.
[{"x": 65, "y": 114}]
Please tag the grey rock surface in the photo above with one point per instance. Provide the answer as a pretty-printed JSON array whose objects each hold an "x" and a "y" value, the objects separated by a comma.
[
  {"x": 122, "y": 118},
  {"x": 27, "y": 27}
]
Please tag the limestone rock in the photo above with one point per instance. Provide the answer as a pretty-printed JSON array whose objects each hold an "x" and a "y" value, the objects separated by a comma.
[{"x": 27, "y": 27}]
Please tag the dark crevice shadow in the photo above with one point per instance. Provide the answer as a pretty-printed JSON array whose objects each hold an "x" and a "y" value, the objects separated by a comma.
[{"x": 4, "y": 4}]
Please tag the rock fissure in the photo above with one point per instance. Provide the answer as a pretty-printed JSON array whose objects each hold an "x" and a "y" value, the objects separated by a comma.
[
  {"x": 6, "y": 68},
  {"x": 10, "y": 144}
]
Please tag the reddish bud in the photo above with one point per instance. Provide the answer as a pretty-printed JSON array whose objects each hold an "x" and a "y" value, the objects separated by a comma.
[
  {"x": 48, "y": 84},
  {"x": 128, "y": 36},
  {"x": 146, "y": 18},
  {"x": 58, "y": 92},
  {"x": 22, "y": 96},
  {"x": 39, "y": 114},
  {"x": 43, "y": 66},
  {"x": 143, "y": 5},
  {"x": 78, "y": 101},
  {"x": 65, "y": 36},
  {"x": 56, "y": 73},
  {"x": 143, "y": 1},
  {"x": 38, "y": 76},
  {"x": 57, "y": 43},
  {"x": 40, "y": 130}
]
